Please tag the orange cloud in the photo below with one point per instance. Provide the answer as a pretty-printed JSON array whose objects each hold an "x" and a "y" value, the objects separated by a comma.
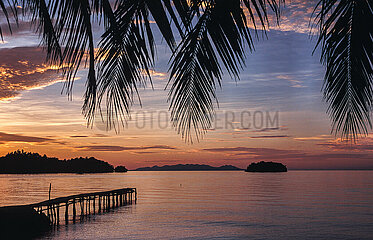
[
  {"x": 108, "y": 148},
  {"x": 23, "y": 69},
  {"x": 6, "y": 137}
]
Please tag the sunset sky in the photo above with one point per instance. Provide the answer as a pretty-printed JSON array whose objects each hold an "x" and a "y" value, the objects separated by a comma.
[{"x": 282, "y": 76}]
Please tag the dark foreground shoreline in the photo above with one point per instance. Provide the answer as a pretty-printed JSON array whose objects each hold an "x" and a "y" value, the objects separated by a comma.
[
  {"x": 21, "y": 162},
  {"x": 34, "y": 220},
  {"x": 189, "y": 167}
]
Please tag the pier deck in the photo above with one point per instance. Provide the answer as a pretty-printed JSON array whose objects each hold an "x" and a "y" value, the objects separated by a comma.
[{"x": 64, "y": 209}]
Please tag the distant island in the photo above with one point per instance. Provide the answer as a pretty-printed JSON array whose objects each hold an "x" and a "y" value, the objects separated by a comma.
[
  {"x": 21, "y": 162},
  {"x": 189, "y": 167},
  {"x": 120, "y": 169},
  {"x": 266, "y": 167}
]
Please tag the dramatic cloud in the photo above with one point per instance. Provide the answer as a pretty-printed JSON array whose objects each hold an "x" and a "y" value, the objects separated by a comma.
[
  {"x": 107, "y": 148},
  {"x": 79, "y": 136},
  {"x": 91, "y": 136},
  {"x": 274, "y": 136},
  {"x": 248, "y": 150},
  {"x": 22, "y": 28},
  {"x": 100, "y": 135},
  {"x": 145, "y": 152},
  {"x": 361, "y": 146},
  {"x": 296, "y": 16},
  {"x": 298, "y": 159},
  {"x": 6, "y": 137},
  {"x": 314, "y": 138},
  {"x": 23, "y": 68},
  {"x": 273, "y": 129},
  {"x": 295, "y": 83}
]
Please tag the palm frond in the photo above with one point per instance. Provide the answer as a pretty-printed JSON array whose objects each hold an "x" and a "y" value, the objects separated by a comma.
[
  {"x": 191, "y": 91},
  {"x": 346, "y": 40},
  {"x": 214, "y": 34},
  {"x": 117, "y": 71},
  {"x": 67, "y": 24},
  {"x": 219, "y": 36},
  {"x": 157, "y": 9},
  {"x": 3, "y": 8},
  {"x": 127, "y": 51},
  {"x": 40, "y": 16},
  {"x": 73, "y": 26}
]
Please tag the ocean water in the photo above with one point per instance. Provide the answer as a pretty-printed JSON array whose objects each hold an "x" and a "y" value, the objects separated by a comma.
[{"x": 213, "y": 205}]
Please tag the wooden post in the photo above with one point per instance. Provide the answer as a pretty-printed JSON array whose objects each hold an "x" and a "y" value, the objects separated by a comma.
[
  {"x": 53, "y": 213},
  {"x": 86, "y": 205},
  {"x": 103, "y": 203},
  {"x": 113, "y": 198},
  {"x": 94, "y": 204},
  {"x": 117, "y": 199},
  {"x": 99, "y": 203},
  {"x": 48, "y": 212},
  {"x": 81, "y": 207},
  {"x": 58, "y": 214},
  {"x": 106, "y": 200},
  {"x": 89, "y": 205},
  {"x": 50, "y": 188},
  {"x": 67, "y": 213},
  {"x": 74, "y": 210}
]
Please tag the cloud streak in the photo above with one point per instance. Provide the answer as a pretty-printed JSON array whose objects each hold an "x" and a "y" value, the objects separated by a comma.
[
  {"x": 23, "y": 68},
  {"x": 300, "y": 159},
  {"x": 269, "y": 136},
  {"x": 6, "y": 137},
  {"x": 362, "y": 146},
  {"x": 109, "y": 148}
]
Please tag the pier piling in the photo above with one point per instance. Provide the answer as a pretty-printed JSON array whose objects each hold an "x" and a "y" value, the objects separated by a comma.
[{"x": 104, "y": 200}]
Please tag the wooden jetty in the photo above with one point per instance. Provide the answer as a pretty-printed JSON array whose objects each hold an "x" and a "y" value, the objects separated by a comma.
[{"x": 63, "y": 209}]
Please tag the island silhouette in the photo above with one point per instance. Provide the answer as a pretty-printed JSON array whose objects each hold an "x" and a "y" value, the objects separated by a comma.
[
  {"x": 21, "y": 162},
  {"x": 120, "y": 169},
  {"x": 189, "y": 167},
  {"x": 266, "y": 167}
]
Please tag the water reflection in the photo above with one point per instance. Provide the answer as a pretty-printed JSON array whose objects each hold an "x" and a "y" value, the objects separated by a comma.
[{"x": 214, "y": 205}]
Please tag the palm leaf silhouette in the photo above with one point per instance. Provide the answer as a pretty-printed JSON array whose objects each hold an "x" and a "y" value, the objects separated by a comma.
[
  {"x": 127, "y": 50},
  {"x": 219, "y": 35},
  {"x": 5, "y": 12},
  {"x": 215, "y": 36},
  {"x": 42, "y": 18},
  {"x": 346, "y": 40}
]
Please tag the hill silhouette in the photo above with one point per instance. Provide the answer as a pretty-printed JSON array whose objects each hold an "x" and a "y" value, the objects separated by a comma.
[
  {"x": 120, "y": 169},
  {"x": 21, "y": 162},
  {"x": 189, "y": 167},
  {"x": 266, "y": 167}
]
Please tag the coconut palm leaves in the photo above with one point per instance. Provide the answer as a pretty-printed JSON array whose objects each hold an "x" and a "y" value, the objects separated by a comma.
[
  {"x": 213, "y": 36},
  {"x": 42, "y": 19},
  {"x": 127, "y": 53},
  {"x": 219, "y": 36},
  {"x": 5, "y": 12},
  {"x": 346, "y": 40}
]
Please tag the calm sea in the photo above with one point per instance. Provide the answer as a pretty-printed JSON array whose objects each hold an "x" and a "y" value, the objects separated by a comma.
[{"x": 213, "y": 205}]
